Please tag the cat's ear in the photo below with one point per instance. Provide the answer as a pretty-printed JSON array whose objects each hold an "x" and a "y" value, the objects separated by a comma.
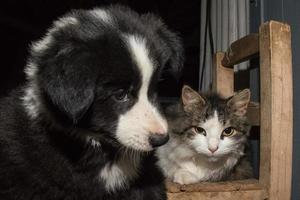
[
  {"x": 238, "y": 103},
  {"x": 191, "y": 99}
]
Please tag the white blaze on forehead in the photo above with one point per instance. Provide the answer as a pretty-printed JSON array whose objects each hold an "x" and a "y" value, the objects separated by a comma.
[
  {"x": 141, "y": 56},
  {"x": 143, "y": 118},
  {"x": 212, "y": 124},
  {"x": 213, "y": 128}
]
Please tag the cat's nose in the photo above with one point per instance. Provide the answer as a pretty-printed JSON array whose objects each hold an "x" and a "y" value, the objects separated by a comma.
[
  {"x": 157, "y": 140},
  {"x": 213, "y": 149}
]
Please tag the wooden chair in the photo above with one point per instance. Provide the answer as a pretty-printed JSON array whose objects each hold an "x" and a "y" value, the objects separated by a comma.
[{"x": 274, "y": 115}]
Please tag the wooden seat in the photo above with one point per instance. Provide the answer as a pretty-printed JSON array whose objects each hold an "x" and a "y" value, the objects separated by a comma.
[{"x": 274, "y": 115}]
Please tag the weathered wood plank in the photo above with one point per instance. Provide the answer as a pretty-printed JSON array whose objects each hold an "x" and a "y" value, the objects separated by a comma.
[
  {"x": 241, "y": 50},
  {"x": 249, "y": 184},
  {"x": 235, "y": 195},
  {"x": 276, "y": 109},
  {"x": 223, "y": 78},
  {"x": 253, "y": 113}
]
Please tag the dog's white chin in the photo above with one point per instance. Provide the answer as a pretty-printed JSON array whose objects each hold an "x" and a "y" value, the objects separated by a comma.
[
  {"x": 141, "y": 147},
  {"x": 138, "y": 142}
]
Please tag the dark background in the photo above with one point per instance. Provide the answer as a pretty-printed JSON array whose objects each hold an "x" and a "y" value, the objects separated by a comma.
[{"x": 22, "y": 22}]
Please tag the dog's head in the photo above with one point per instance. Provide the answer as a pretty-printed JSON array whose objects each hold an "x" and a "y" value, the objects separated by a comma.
[{"x": 98, "y": 69}]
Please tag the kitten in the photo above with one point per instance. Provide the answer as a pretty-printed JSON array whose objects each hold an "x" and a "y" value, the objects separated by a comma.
[{"x": 208, "y": 136}]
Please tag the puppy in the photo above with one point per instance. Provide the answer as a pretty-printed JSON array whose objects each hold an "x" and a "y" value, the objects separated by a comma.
[{"x": 85, "y": 124}]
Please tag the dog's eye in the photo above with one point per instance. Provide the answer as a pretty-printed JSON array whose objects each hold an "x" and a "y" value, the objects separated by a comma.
[{"x": 121, "y": 95}]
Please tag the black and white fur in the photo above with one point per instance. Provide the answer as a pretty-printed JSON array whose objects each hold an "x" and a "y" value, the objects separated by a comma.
[{"x": 85, "y": 124}]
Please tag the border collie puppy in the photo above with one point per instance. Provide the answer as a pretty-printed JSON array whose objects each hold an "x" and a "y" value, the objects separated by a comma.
[{"x": 86, "y": 123}]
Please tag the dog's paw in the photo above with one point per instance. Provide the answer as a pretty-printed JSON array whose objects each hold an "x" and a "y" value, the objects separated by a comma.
[{"x": 184, "y": 177}]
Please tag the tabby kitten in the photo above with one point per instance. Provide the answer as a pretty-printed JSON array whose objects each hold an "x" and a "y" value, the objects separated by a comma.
[{"x": 208, "y": 135}]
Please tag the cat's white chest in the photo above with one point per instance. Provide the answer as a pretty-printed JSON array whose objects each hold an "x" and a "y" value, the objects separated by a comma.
[
  {"x": 190, "y": 171},
  {"x": 184, "y": 166},
  {"x": 197, "y": 170}
]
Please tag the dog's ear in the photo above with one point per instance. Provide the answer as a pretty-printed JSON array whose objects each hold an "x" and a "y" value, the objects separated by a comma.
[
  {"x": 171, "y": 45},
  {"x": 175, "y": 48},
  {"x": 67, "y": 83}
]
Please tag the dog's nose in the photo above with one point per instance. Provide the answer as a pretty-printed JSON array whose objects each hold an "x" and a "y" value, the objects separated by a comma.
[{"x": 157, "y": 140}]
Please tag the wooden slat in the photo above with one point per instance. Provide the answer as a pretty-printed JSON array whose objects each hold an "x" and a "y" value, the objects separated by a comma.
[
  {"x": 223, "y": 78},
  {"x": 229, "y": 190},
  {"x": 276, "y": 109},
  {"x": 249, "y": 184},
  {"x": 223, "y": 83},
  {"x": 236, "y": 195},
  {"x": 241, "y": 50},
  {"x": 253, "y": 113}
]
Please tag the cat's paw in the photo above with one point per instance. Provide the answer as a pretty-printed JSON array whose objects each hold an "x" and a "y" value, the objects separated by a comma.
[{"x": 184, "y": 177}]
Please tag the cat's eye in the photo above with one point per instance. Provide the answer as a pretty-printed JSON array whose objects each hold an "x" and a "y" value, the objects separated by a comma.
[
  {"x": 199, "y": 130},
  {"x": 228, "y": 131},
  {"x": 121, "y": 95}
]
